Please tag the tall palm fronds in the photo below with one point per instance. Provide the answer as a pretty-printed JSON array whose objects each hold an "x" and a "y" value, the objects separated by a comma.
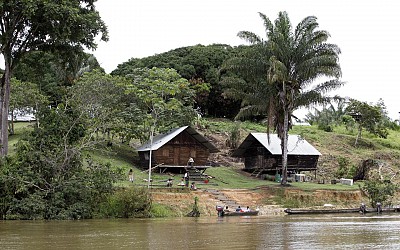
[{"x": 276, "y": 75}]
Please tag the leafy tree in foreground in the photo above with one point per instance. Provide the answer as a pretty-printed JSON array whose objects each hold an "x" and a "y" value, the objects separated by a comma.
[
  {"x": 199, "y": 65},
  {"x": 25, "y": 26},
  {"x": 163, "y": 100},
  {"x": 367, "y": 117},
  {"x": 24, "y": 99},
  {"x": 41, "y": 68},
  {"x": 54, "y": 73},
  {"x": 277, "y": 73},
  {"x": 100, "y": 97},
  {"x": 378, "y": 191},
  {"x": 49, "y": 178}
]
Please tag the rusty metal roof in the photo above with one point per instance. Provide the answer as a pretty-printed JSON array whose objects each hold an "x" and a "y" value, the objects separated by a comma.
[
  {"x": 161, "y": 139},
  {"x": 296, "y": 145}
]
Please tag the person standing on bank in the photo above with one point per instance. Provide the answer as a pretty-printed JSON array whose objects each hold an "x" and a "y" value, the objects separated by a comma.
[
  {"x": 190, "y": 162},
  {"x": 186, "y": 176},
  {"x": 130, "y": 175}
]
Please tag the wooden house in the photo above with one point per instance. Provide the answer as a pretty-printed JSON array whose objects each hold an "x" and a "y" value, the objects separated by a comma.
[
  {"x": 173, "y": 150},
  {"x": 265, "y": 157}
]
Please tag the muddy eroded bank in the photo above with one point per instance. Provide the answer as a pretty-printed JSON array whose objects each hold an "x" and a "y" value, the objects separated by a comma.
[{"x": 267, "y": 200}]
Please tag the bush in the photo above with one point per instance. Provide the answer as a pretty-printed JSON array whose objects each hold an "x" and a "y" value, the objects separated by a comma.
[
  {"x": 378, "y": 191},
  {"x": 160, "y": 211},
  {"x": 47, "y": 177},
  {"x": 29, "y": 208},
  {"x": 127, "y": 203},
  {"x": 325, "y": 127},
  {"x": 343, "y": 170},
  {"x": 233, "y": 140}
]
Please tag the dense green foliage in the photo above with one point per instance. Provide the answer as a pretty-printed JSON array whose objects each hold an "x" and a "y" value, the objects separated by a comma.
[
  {"x": 24, "y": 98},
  {"x": 64, "y": 27},
  {"x": 127, "y": 107},
  {"x": 164, "y": 100},
  {"x": 127, "y": 203},
  {"x": 200, "y": 66},
  {"x": 51, "y": 177},
  {"x": 354, "y": 115},
  {"x": 101, "y": 98},
  {"x": 48, "y": 177},
  {"x": 367, "y": 117},
  {"x": 69, "y": 163},
  {"x": 330, "y": 116},
  {"x": 345, "y": 169},
  {"x": 53, "y": 73},
  {"x": 381, "y": 191}
]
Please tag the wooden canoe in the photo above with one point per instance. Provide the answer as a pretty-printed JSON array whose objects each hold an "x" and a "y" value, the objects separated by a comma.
[
  {"x": 249, "y": 213},
  {"x": 344, "y": 210},
  {"x": 321, "y": 211}
]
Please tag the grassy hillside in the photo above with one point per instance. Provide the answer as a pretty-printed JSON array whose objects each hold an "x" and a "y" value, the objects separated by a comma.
[{"x": 337, "y": 149}]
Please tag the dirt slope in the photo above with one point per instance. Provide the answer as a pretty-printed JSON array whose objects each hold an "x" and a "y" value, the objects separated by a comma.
[{"x": 261, "y": 198}]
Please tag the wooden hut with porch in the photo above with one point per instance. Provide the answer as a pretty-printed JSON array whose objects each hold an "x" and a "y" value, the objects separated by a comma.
[
  {"x": 265, "y": 157},
  {"x": 171, "y": 151}
]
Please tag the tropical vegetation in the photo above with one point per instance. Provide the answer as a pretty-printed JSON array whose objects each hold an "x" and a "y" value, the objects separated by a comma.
[
  {"x": 64, "y": 28},
  {"x": 276, "y": 75},
  {"x": 71, "y": 162}
]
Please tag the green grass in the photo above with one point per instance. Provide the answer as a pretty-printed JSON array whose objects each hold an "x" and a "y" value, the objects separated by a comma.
[
  {"x": 162, "y": 211},
  {"x": 121, "y": 156},
  {"x": 310, "y": 186},
  {"x": 228, "y": 177},
  {"x": 330, "y": 144},
  {"x": 19, "y": 129}
]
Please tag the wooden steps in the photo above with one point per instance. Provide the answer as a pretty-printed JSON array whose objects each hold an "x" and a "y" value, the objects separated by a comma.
[
  {"x": 219, "y": 195},
  {"x": 256, "y": 172},
  {"x": 196, "y": 175}
]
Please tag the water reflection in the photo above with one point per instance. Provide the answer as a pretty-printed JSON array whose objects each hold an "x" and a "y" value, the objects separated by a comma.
[{"x": 286, "y": 232}]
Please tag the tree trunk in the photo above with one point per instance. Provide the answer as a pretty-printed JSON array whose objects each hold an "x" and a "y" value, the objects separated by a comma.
[
  {"x": 284, "y": 133},
  {"x": 358, "y": 135},
  {"x": 284, "y": 143},
  {"x": 4, "y": 107},
  {"x": 11, "y": 123}
]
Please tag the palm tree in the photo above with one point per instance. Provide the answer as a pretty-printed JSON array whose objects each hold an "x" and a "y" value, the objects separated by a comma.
[{"x": 277, "y": 75}]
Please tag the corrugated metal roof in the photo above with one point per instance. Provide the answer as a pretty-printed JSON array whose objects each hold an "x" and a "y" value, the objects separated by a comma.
[
  {"x": 296, "y": 145},
  {"x": 161, "y": 139}
]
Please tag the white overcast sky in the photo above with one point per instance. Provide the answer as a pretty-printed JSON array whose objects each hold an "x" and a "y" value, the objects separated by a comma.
[{"x": 368, "y": 33}]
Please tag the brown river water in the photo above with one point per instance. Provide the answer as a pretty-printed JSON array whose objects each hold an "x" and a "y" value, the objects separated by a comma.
[{"x": 338, "y": 231}]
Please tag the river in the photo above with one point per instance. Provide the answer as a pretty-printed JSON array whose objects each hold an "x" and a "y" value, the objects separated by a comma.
[{"x": 342, "y": 231}]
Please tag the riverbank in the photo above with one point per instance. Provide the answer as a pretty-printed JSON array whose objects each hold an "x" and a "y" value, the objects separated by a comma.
[
  {"x": 269, "y": 201},
  {"x": 241, "y": 188}
]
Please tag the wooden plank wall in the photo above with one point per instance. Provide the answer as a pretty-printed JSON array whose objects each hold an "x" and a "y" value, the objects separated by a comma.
[
  {"x": 177, "y": 152},
  {"x": 295, "y": 162}
]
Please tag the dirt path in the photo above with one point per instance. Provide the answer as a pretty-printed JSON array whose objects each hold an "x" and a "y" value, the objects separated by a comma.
[
  {"x": 254, "y": 199},
  {"x": 261, "y": 198},
  {"x": 210, "y": 198}
]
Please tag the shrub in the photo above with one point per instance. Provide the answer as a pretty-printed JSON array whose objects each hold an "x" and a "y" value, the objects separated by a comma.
[
  {"x": 159, "y": 211},
  {"x": 127, "y": 203},
  {"x": 343, "y": 170},
  {"x": 233, "y": 140},
  {"x": 378, "y": 191},
  {"x": 325, "y": 127}
]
